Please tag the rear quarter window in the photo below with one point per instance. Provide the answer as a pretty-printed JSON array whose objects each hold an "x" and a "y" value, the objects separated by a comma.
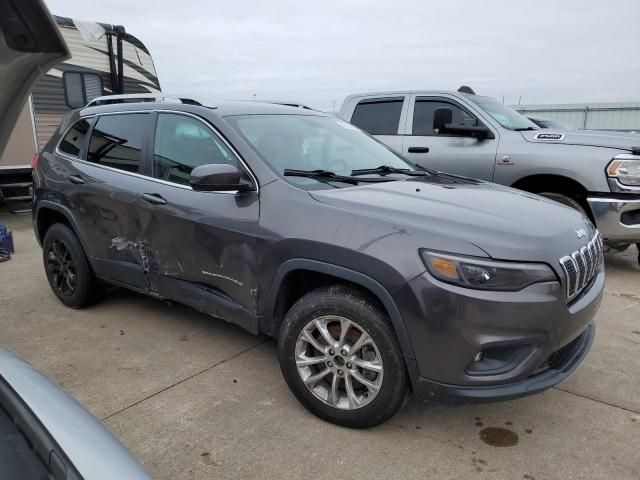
[
  {"x": 73, "y": 141},
  {"x": 378, "y": 116}
]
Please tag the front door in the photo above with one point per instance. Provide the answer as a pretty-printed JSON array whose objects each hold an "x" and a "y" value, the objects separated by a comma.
[
  {"x": 470, "y": 157},
  {"x": 202, "y": 245}
]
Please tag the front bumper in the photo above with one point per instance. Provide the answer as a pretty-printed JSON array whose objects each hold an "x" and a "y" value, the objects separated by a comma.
[
  {"x": 617, "y": 218},
  {"x": 524, "y": 337},
  {"x": 538, "y": 382}
]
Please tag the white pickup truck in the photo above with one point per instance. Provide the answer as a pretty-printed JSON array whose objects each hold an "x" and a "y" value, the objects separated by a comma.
[{"x": 476, "y": 136}]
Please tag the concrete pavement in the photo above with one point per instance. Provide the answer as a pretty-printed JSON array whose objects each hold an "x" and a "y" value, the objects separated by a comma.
[{"x": 195, "y": 398}]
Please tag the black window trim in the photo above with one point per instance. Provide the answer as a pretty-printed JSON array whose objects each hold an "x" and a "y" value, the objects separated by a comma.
[
  {"x": 145, "y": 149},
  {"x": 82, "y": 73}
]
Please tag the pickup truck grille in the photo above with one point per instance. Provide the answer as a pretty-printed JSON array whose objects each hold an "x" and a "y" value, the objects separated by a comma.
[{"x": 581, "y": 266}]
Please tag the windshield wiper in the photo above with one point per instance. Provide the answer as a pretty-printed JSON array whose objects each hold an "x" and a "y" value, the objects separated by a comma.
[
  {"x": 525, "y": 129},
  {"x": 386, "y": 169},
  {"x": 329, "y": 175}
]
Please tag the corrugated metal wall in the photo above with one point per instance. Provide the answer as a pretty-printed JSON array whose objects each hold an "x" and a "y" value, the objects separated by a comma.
[{"x": 598, "y": 116}]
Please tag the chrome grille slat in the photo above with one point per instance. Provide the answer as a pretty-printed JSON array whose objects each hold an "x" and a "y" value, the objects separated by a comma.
[{"x": 582, "y": 265}]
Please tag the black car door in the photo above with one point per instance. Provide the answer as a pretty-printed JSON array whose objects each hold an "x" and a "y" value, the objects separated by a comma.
[
  {"x": 101, "y": 185},
  {"x": 201, "y": 244}
]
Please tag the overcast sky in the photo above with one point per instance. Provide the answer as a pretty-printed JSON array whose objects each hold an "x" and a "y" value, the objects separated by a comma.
[{"x": 318, "y": 52}]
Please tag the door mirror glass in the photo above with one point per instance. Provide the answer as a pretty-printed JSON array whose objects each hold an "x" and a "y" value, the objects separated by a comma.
[
  {"x": 443, "y": 125},
  {"x": 441, "y": 117},
  {"x": 217, "y": 177}
]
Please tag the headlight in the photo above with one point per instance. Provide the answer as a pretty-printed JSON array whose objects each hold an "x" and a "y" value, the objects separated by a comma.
[
  {"x": 626, "y": 171},
  {"x": 486, "y": 274}
]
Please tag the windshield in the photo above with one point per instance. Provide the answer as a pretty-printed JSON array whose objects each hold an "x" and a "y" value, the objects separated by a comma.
[
  {"x": 505, "y": 116},
  {"x": 305, "y": 142}
]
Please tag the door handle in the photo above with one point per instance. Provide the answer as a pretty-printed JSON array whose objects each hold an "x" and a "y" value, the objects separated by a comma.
[
  {"x": 154, "y": 198},
  {"x": 418, "y": 149},
  {"x": 76, "y": 179}
]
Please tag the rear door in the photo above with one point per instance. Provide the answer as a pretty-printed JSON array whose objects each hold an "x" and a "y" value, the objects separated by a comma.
[
  {"x": 97, "y": 167},
  {"x": 382, "y": 117},
  {"x": 202, "y": 244},
  {"x": 460, "y": 155}
]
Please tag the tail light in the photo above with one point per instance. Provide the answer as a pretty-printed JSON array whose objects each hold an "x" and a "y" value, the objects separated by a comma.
[{"x": 34, "y": 161}]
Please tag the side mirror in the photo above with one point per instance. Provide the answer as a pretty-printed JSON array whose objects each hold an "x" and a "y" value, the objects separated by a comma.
[
  {"x": 218, "y": 177},
  {"x": 441, "y": 117},
  {"x": 467, "y": 131},
  {"x": 442, "y": 124}
]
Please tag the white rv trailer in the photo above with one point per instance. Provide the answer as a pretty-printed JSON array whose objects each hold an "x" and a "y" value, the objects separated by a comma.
[{"x": 105, "y": 60}]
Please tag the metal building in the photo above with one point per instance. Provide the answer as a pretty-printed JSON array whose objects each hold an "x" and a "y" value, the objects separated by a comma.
[{"x": 594, "y": 116}]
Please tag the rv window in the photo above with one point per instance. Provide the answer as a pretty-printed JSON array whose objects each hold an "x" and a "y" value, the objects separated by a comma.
[
  {"x": 73, "y": 141},
  {"x": 117, "y": 140},
  {"x": 81, "y": 87}
]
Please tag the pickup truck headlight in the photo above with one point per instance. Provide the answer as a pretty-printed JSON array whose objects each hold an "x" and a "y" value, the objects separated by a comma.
[
  {"x": 486, "y": 274},
  {"x": 627, "y": 171}
]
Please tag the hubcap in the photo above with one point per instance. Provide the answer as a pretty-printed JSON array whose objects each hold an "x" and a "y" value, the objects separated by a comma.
[
  {"x": 60, "y": 266},
  {"x": 339, "y": 362}
]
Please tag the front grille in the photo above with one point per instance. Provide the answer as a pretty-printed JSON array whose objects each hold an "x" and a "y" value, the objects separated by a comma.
[{"x": 581, "y": 266}]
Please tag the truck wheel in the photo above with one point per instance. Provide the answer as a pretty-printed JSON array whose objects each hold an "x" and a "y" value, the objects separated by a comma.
[
  {"x": 565, "y": 200},
  {"x": 340, "y": 358},
  {"x": 67, "y": 268}
]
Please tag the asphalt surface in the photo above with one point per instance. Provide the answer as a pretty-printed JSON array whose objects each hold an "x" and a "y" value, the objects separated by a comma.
[{"x": 193, "y": 397}]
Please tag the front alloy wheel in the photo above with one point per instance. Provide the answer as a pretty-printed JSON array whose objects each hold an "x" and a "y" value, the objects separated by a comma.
[
  {"x": 339, "y": 362},
  {"x": 340, "y": 357}
]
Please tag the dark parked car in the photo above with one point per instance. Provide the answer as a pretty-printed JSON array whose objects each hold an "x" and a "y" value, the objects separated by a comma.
[{"x": 376, "y": 277}]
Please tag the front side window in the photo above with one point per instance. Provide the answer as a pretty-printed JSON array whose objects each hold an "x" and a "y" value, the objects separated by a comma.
[
  {"x": 117, "y": 141},
  {"x": 308, "y": 142},
  {"x": 423, "y": 114},
  {"x": 378, "y": 116},
  {"x": 73, "y": 141},
  {"x": 183, "y": 143}
]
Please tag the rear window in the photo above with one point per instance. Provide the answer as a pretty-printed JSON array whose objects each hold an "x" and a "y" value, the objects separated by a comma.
[
  {"x": 73, "y": 141},
  {"x": 117, "y": 141},
  {"x": 378, "y": 116}
]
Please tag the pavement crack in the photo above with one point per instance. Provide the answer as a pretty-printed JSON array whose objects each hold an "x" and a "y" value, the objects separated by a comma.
[
  {"x": 630, "y": 410},
  {"x": 232, "y": 357}
]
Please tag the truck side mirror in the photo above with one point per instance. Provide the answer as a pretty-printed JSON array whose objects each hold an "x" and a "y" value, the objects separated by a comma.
[
  {"x": 441, "y": 117},
  {"x": 442, "y": 124}
]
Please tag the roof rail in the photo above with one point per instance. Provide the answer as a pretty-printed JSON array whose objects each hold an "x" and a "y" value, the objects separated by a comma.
[{"x": 142, "y": 97}]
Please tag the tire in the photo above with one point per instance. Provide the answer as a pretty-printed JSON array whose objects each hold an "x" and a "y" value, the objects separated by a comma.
[
  {"x": 379, "y": 362},
  {"x": 565, "y": 200},
  {"x": 68, "y": 271}
]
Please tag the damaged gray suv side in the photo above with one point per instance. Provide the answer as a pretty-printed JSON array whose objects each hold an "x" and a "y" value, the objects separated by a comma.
[{"x": 377, "y": 277}]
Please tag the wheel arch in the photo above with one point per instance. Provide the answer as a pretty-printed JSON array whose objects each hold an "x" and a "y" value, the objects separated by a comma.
[
  {"x": 273, "y": 311},
  {"x": 538, "y": 183},
  {"x": 48, "y": 213}
]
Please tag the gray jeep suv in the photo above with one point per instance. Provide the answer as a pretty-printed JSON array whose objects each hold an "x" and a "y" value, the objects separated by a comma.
[{"x": 377, "y": 277}]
